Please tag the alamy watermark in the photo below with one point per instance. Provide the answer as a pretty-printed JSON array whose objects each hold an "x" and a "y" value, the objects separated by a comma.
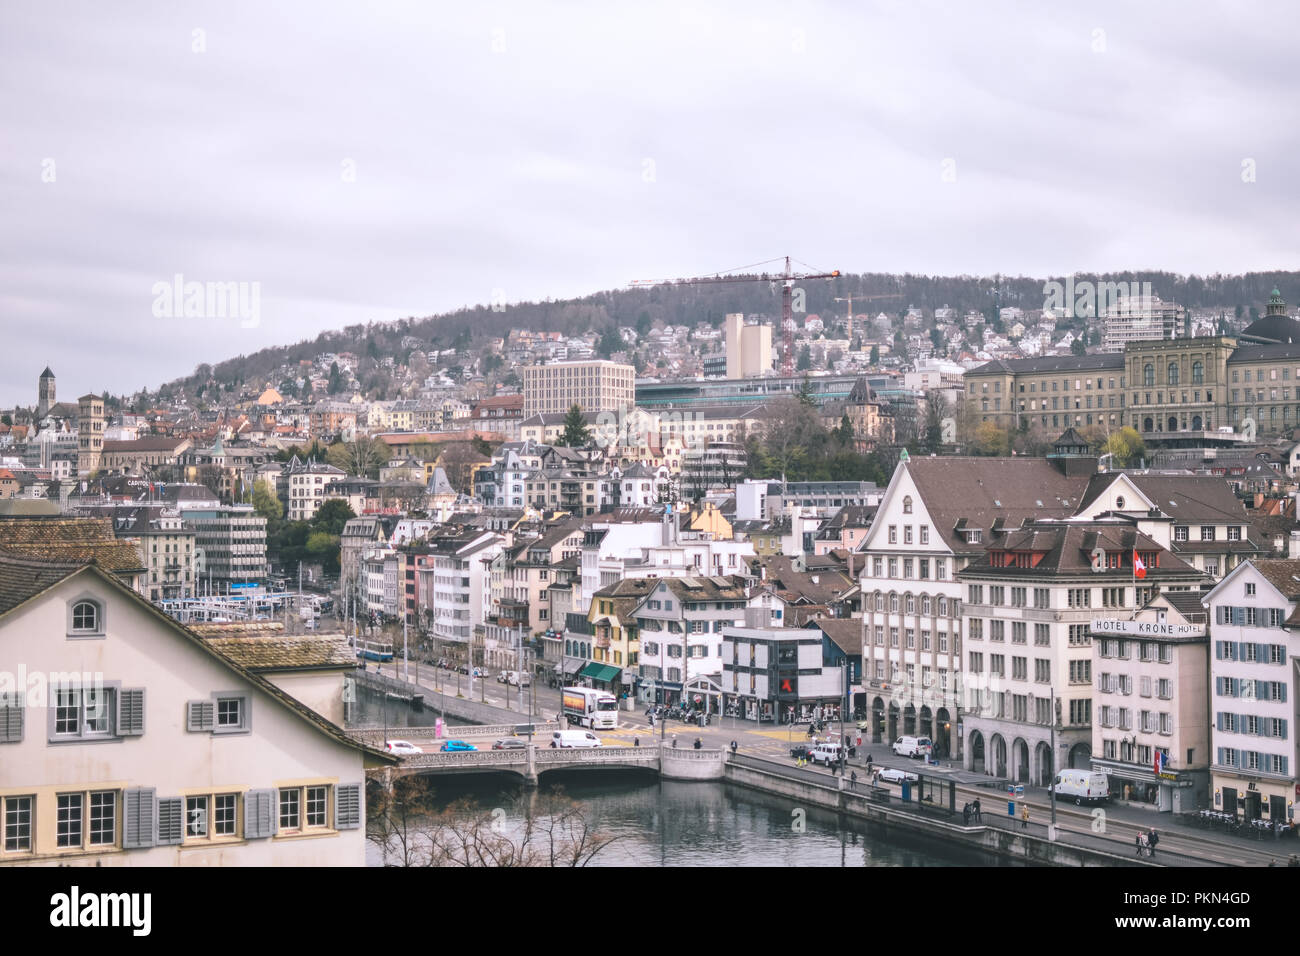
[
  {"x": 1085, "y": 299},
  {"x": 179, "y": 299},
  {"x": 34, "y": 688}
]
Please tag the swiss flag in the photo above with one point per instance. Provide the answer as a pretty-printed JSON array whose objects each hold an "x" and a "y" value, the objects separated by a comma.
[{"x": 1139, "y": 569}]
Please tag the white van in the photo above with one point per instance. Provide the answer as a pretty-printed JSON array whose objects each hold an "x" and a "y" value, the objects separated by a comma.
[
  {"x": 1085, "y": 786},
  {"x": 567, "y": 739},
  {"x": 912, "y": 746}
]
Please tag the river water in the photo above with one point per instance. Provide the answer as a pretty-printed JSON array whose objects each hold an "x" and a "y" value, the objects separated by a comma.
[{"x": 677, "y": 823}]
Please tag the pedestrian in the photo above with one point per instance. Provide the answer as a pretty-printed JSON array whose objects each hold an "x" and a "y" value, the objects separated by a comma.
[
  {"x": 636, "y": 741},
  {"x": 698, "y": 743},
  {"x": 1152, "y": 839},
  {"x": 853, "y": 779},
  {"x": 674, "y": 741},
  {"x": 868, "y": 760},
  {"x": 1293, "y": 860},
  {"x": 965, "y": 814},
  {"x": 1024, "y": 817},
  {"x": 1140, "y": 841},
  {"x": 733, "y": 746},
  {"x": 975, "y": 808}
]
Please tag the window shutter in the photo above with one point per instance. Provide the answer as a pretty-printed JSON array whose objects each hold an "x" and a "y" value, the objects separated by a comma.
[
  {"x": 1282, "y": 689},
  {"x": 1281, "y": 727},
  {"x": 1261, "y": 653},
  {"x": 138, "y": 818},
  {"x": 347, "y": 806},
  {"x": 200, "y": 715},
  {"x": 171, "y": 821},
  {"x": 259, "y": 814},
  {"x": 11, "y": 719},
  {"x": 1261, "y": 690},
  {"x": 130, "y": 713},
  {"x": 1219, "y": 720}
]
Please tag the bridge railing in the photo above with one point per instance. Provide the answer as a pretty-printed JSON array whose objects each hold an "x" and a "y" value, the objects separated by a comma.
[
  {"x": 597, "y": 755},
  {"x": 376, "y": 735},
  {"x": 481, "y": 758}
]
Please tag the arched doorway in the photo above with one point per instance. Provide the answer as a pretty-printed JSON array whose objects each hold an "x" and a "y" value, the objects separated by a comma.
[
  {"x": 1196, "y": 423},
  {"x": 1081, "y": 757},
  {"x": 942, "y": 733},
  {"x": 1043, "y": 755},
  {"x": 1148, "y": 425},
  {"x": 893, "y": 722},
  {"x": 976, "y": 745},
  {"x": 927, "y": 723},
  {"x": 998, "y": 757},
  {"x": 909, "y": 719},
  {"x": 1020, "y": 760},
  {"x": 877, "y": 720},
  {"x": 1173, "y": 423}
]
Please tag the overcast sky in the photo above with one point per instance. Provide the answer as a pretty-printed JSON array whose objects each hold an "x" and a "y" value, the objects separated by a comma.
[{"x": 375, "y": 161}]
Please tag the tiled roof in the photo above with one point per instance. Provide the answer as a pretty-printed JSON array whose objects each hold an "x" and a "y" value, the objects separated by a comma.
[
  {"x": 845, "y": 632},
  {"x": 1283, "y": 574},
  {"x": 73, "y": 541},
  {"x": 278, "y": 652}
]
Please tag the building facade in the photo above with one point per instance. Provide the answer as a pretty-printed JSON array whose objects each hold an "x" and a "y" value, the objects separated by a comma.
[{"x": 596, "y": 386}]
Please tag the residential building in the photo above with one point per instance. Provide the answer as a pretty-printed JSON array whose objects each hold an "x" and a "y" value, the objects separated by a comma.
[
  {"x": 779, "y": 674},
  {"x": 308, "y": 486},
  {"x": 1254, "y": 615},
  {"x": 212, "y": 764}
]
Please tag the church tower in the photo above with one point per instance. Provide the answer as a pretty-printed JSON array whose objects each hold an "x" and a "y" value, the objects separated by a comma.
[
  {"x": 44, "y": 394},
  {"x": 90, "y": 434}
]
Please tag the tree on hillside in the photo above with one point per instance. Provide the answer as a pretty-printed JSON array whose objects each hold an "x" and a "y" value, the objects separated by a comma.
[
  {"x": 1127, "y": 447},
  {"x": 875, "y": 355},
  {"x": 267, "y": 504},
  {"x": 576, "y": 434},
  {"x": 610, "y": 342},
  {"x": 805, "y": 360},
  {"x": 991, "y": 440},
  {"x": 331, "y": 516},
  {"x": 936, "y": 411},
  {"x": 363, "y": 456},
  {"x": 336, "y": 383}
]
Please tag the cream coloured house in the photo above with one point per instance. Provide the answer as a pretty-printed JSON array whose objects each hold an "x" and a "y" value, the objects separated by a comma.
[{"x": 126, "y": 739}]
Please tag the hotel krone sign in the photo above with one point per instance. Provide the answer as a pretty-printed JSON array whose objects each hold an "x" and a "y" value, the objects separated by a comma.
[{"x": 1103, "y": 626}]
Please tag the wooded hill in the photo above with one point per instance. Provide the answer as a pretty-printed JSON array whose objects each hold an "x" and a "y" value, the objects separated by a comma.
[{"x": 640, "y": 308}]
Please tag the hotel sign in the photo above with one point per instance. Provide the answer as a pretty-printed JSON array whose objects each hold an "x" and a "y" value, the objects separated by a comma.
[{"x": 1102, "y": 626}]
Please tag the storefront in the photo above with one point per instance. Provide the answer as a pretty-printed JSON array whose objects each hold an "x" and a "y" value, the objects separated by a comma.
[
  {"x": 1252, "y": 799},
  {"x": 602, "y": 677},
  {"x": 1170, "y": 791}
]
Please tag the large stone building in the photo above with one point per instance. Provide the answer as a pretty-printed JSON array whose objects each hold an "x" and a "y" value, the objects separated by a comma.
[
  {"x": 1175, "y": 390},
  {"x": 596, "y": 386},
  {"x": 749, "y": 347}
]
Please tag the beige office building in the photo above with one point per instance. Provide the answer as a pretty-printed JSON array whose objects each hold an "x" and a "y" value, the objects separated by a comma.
[
  {"x": 749, "y": 347},
  {"x": 596, "y": 386}
]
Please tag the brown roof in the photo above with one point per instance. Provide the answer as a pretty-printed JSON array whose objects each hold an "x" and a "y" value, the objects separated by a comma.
[
  {"x": 1283, "y": 574},
  {"x": 277, "y": 652},
  {"x": 979, "y": 491},
  {"x": 144, "y": 445},
  {"x": 1068, "y": 550},
  {"x": 74, "y": 541},
  {"x": 1182, "y": 497},
  {"x": 845, "y": 632}
]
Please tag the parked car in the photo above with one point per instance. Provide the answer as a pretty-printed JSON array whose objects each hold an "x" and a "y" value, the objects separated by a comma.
[
  {"x": 456, "y": 746},
  {"x": 893, "y": 775},
  {"x": 510, "y": 743},
  {"x": 480, "y": 672},
  {"x": 401, "y": 747}
]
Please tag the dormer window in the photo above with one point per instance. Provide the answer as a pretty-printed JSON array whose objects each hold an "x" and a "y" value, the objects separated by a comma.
[
  {"x": 85, "y": 617},
  {"x": 907, "y": 505}
]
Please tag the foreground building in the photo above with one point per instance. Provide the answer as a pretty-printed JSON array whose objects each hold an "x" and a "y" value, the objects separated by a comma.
[{"x": 209, "y": 763}]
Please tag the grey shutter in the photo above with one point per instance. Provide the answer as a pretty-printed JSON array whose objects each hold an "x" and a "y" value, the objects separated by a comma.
[
  {"x": 138, "y": 818},
  {"x": 171, "y": 821},
  {"x": 347, "y": 806},
  {"x": 259, "y": 814},
  {"x": 11, "y": 719},
  {"x": 130, "y": 713},
  {"x": 200, "y": 715}
]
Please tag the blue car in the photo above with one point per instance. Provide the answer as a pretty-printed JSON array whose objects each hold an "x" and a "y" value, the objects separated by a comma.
[{"x": 456, "y": 746}]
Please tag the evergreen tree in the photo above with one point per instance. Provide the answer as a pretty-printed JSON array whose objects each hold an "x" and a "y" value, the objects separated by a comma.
[
  {"x": 335, "y": 380},
  {"x": 576, "y": 434}
]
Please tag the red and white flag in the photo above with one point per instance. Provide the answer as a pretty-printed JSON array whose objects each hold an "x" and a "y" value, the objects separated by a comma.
[{"x": 1139, "y": 569}]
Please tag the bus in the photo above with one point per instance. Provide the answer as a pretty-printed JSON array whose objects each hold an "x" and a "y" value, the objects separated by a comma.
[{"x": 585, "y": 707}]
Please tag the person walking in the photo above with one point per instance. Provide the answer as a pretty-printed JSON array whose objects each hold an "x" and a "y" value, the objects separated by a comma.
[
  {"x": 733, "y": 746},
  {"x": 636, "y": 741},
  {"x": 965, "y": 814},
  {"x": 674, "y": 741},
  {"x": 1152, "y": 839},
  {"x": 853, "y": 779},
  {"x": 698, "y": 743},
  {"x": 1024, "y": 817},
  {"x": 979, "y": 813}
]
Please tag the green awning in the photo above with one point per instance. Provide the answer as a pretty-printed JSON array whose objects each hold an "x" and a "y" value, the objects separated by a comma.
[{"x": 600, "y": 672}]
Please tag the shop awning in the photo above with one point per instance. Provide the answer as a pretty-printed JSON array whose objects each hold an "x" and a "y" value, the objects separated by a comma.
[
  {"x": 600, "y": 672},
  {"x": 571, "y": 666}
]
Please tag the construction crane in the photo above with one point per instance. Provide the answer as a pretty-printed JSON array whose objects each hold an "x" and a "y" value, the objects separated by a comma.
[
  {"x": 863, "y": 298},
  {"x": 787, "y": 278}
]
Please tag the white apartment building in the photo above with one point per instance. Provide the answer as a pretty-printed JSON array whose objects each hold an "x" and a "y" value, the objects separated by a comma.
[
  {"x": 380, "y": 570},
  {"x": 1253, "y": 685},
  {"x": 594, "y": 386},
  {"x": 1151, "y": 699},
  {"x": 1030, "y": 602},
  {"x": 309, "y": 488},
  {"x": 936, "y": 516},
  {"x": 458, "y": 585},
  {"x": 153, "y": 749}
]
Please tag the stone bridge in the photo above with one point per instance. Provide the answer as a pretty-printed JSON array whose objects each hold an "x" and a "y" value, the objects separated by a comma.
[{"x": 531, "y": 762}]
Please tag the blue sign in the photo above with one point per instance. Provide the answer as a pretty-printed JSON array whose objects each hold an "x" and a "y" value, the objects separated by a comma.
[{"x": 236, "y": 587}]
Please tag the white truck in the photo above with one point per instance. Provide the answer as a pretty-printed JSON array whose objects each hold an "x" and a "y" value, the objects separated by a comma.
[
  {"x": 586, "y": 707},
  {"x": 1085, "y": 786}
]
